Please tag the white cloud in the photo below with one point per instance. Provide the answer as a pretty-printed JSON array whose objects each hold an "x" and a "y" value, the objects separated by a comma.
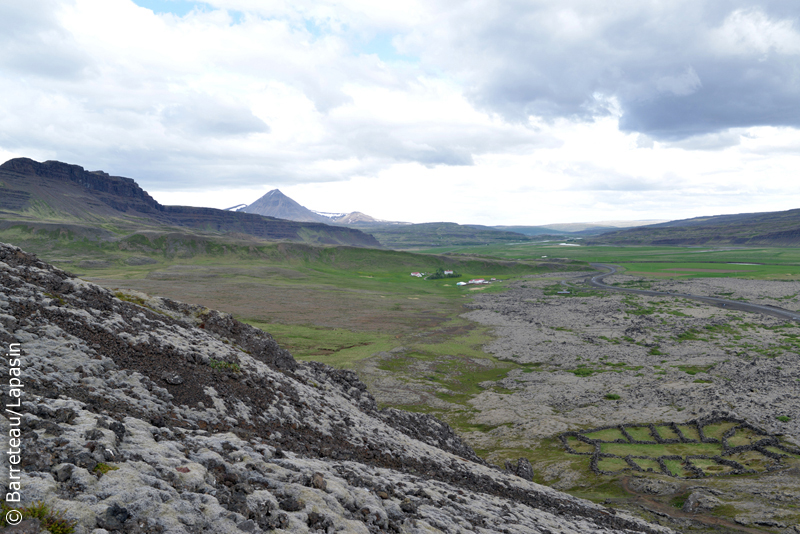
[
  {"x": 516, "y": 113},
  {"x": 751, "y": 31}
]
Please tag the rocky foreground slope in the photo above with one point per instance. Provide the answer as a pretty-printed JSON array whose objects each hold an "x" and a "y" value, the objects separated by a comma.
[{"x": 147, "y": 415}]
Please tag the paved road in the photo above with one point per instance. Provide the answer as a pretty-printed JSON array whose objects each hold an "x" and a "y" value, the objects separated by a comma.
[{"x": 597, "y": 281}]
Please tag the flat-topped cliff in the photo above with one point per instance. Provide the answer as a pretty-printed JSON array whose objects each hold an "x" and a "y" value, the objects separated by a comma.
[{"x": 32, "y": 192}]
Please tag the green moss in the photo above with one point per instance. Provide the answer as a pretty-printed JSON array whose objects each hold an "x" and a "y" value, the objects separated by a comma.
[
  {"x": 103, "y": 468},
  {"x": 55, "y": 297},
  {"x": 51, "y": 520},
  {"x": 679, "y": 500},
  {"x": 222, "y": 365},
  {"x": 612, "y": 396}
]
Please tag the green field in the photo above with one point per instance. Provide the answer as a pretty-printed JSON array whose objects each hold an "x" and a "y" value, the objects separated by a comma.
[{"x": 772, "y": 262}]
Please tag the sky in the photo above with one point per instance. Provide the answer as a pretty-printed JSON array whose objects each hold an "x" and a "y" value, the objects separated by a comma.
[{"x": 472, "y": 111}]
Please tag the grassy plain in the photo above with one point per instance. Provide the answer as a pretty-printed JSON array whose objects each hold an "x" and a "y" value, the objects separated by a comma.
[
  {"x": 337, "y": 305},
  {"x": 769, "y": 263},
  {"x": 359, "y": 308}
]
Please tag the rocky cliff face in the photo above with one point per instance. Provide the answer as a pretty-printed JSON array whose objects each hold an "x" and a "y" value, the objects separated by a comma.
[
  {"x": 61, "y": 188},
  {"x": 144, "y": 415},
  {"x": 120, "y": 193}
]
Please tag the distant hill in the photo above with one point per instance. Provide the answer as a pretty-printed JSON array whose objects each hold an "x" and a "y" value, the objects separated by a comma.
[
  {"x": 441, "y": 234},
  {"x": 54, "y": 195},
  {"x": 581, "y": 228},
  {"x": 356, "y": 218},
  {"x": 549, "y": 231},
  {"x": 530, "y": 230},
  {"x": 778, "y": 228},
  {"x": 602, "y": 225}
]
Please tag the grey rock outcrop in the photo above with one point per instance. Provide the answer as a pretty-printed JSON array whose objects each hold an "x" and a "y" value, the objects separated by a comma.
[{"x": 248, "y": 440}]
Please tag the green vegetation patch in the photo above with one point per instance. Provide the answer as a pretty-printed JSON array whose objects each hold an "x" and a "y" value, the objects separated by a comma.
[
  {"x": 338, "y": 347},
  {"x": 752, "y": 460},
  {"x": 689, "y": 432},
  {"x": 661, "y": 449},
  {"x": 678, "y": 468},
  {"x": 711, "y": 467},
  {"x": 609, "y": 434},
  {"x": 584, "y": 371},
  {"x": 51, "y": 520},
  {"x": 224, "y": 366},
  {"x": 666, "y": 432},
  {"x": 639, "y": 433},
  {"x": 579, "y": 446},
  {"x": 716, "y": 430},
  {"x": 647, "y": 464},
  {"x": 103, "y": 468},
  {"x": 784, "y": 452},
  {"x": 612, "y": 464},
  {"x": 744, "y": 436},
  {"x": 680, "y": 458}
]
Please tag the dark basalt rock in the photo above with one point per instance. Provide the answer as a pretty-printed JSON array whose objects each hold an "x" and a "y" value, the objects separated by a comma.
[
  {"x": 522, "y": 469},
  {"x": 114, "y": 518}
]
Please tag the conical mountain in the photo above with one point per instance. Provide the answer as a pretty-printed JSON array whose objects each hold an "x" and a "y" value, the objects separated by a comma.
[{"x": 276, "y": 204}]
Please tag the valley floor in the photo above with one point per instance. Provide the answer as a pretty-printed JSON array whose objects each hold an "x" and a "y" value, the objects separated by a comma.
[{"x": 591, "y": 358}]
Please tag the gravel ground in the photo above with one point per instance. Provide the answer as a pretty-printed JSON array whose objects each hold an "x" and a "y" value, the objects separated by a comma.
[
  {"x": 784, "y": 294},
  {"x": 668, "y": 360}
]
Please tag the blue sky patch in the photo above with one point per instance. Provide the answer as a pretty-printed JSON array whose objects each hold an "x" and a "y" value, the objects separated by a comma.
[
  {"x": 176, "y": 7},
  {"x": 381, "y": 45}
]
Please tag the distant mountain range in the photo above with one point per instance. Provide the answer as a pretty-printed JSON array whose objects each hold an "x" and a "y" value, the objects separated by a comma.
[
  {"x": 776, "y": 228},
  {"x": 56, "y": 196},
  {"x": 53, "y": 195},
  {"x": 276, "y": 204}
]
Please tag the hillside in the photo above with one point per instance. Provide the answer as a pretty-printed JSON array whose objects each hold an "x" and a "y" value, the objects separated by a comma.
[
  {"x": 779, "y": 228},
  {"x": 439, "y": 234},
  {"x": 147, "y": 415},
  {"x": 54, "y": 195}
]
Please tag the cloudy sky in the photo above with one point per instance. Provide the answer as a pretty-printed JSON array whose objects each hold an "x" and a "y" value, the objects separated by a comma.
[{"x": 472, "y": 111}]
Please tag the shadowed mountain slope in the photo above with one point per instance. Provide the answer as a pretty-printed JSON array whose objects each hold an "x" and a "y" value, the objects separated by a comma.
[
  {"x": 148, "y": 415},
  {"x": 777, "y": 228},
  {"x": 55, "y": 193}
]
